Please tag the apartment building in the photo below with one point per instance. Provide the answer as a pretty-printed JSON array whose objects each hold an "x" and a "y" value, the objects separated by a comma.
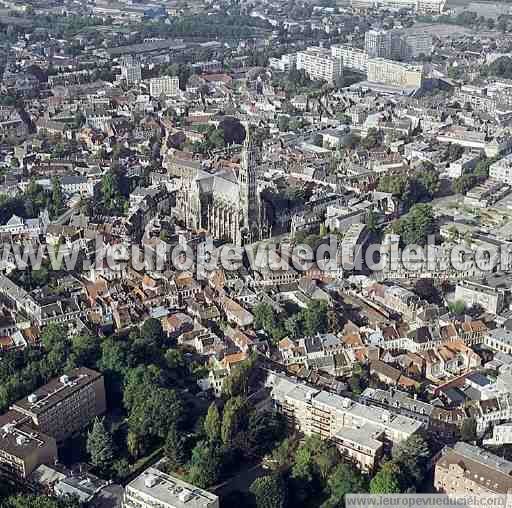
[
  {"x": 319, "y": 64},
  {"x": 421, "y": 6},
  {"x": 65, "y": 405},
  {"x": 165, "y": 85},
  {"x": 352, "y": 58},
  {"x": 391, "y": 73},
  {"x": 416, "y": 44},
  {"x": 154, "y": 488},
  {"x": 284, "y": 64},
  {"x": 468, "y": 469},
  {"x": 430, "y": 6},
  {"x": 360, "y": 432},
  {"x": 378, "y": 43},
  {"x": 22, "y": 449},
  {"x": 489, "y": 298},
  {"x": 502, "y": 170}
]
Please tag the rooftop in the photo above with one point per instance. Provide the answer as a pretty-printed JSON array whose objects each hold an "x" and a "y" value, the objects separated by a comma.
[
  {"x": 171, "y": 491},
  {"x": 56, "y": 391}
]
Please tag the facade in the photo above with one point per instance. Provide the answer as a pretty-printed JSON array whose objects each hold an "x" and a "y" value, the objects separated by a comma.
[
  {"x": 416, "y": 44},
  {"x": 21, "y": 449},
  {"x": 467, "y": 469},
  {"x": 421, "y": 6},
  {"x": 154, "y": 488},
  {"x": 65, "y": 405},
  {"x": 502, "y": 170},
  {"x": 351, "y": 58},
  {"x": 378, "y": 43},
  {"x": 166, "y": 85},
  {"x": 131, "y": 70},
  {"x": 472, "y": 293},
  {"x": 318, "y": 63},
  {"x": 360, "y": 432},
  {"x": 284, "y": 64},
  {"x": 226, "y": 204},
  {"x": 389, "y": 72}
]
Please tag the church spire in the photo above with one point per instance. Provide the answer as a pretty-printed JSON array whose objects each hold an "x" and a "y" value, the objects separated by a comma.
[{"x": 248, "y": 188}]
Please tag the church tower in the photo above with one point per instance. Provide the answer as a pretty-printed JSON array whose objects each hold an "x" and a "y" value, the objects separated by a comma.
[{"x": 248, "y": 189}]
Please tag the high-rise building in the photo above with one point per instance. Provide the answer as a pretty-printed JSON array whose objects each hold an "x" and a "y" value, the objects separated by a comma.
[
  {"x": 65, "y": 405},
  {"x": 153, "y": 488},
  {"x": 166, "y": 85},
  {"x": 378, "y": 43},
  {"x": 30, "y": 431},
  {"x": 397, "y": 44},
  {"x": 352, "y": 58},
  {"x": 318, "y": 63},
  {"x": 416, "y": 44},
  {"x": 391, "y": 73}
]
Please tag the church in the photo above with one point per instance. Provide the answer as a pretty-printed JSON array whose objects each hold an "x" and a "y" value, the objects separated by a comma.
[{"x": 226, "y": 204}]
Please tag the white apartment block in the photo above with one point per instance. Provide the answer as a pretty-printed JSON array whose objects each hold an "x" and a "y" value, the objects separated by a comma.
[
  {"x": 153, "y": 488},
  {"x": 359, "y": 431},
  {"x": 471, "y": 293},
  {"x": 318, "y": 63},
  {"x": 502, "y": 170},
  {"x": 391, "y": 73},
  {"x": 284, "y": 64},
  {"x": 421, "y": 6},
  {"x": 377, "y": 43},
  {"x": 351, "y": 58},
  {"x": 165, "y": 85},
  {"x": 430, "y": 6},
  {"x": 501, "y": 435}
]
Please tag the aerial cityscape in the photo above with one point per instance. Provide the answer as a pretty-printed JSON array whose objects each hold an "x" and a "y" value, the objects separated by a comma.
[{"x": 255, "y": 254}]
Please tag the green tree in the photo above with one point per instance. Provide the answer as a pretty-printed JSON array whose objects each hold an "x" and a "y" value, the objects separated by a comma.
[
  {"x": 386, "y": 481},
  {"x": 175, "y": 448},
  {"x": 57, "y": 198},
  {"x": 412, "y": 457},
  {"x": 293, "y": 326},
  {"x": 233, "y": 418},
  {"x": 152, "y": 332},
  {"x": 463, "y": 184},
  {"x": 40, "y": 501},
  {"x": 85, "y": 351},
  {"x": 269, "y": 491},
  {"x": 237, "y": 383},
  {"x": 212, "y": 423},
  {"x": 416, "y": 226},
  {"x": 468, "y": 430},
  {"x": 206, "y": 465},
  {"x": 283, "y": 123},
  {"x": 100, "y": 446},
  {"x": 282, "y": 455},
  {"x": 344, "y": 480},
  {"x": 458, "y": 307},
  {"x": 315, "y": 318}
]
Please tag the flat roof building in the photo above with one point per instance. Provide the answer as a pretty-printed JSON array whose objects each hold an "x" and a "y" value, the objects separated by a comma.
[
  {"x": 65, "y": 405},
  {"x": 359, "y": 431},
  {"x": 22, "y": 449},
  {"x": 155, "y": 488},
  {"x": 318, "y": 63}
]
